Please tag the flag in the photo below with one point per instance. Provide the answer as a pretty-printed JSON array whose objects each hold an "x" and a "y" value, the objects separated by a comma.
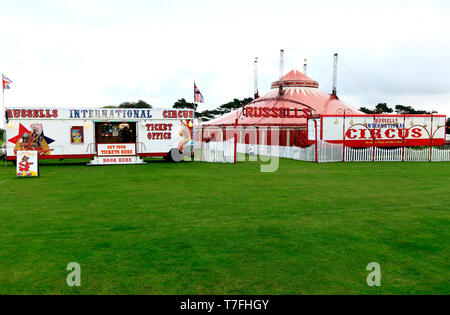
[
  {"x": 198, "y": 97},
  {"x": 6, "y": 82}
]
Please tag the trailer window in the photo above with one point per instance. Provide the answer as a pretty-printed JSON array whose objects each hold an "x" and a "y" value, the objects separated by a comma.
[{"x": 115, "y": 132}]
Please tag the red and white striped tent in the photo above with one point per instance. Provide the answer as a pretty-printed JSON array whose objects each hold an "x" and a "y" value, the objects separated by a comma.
[{"x": 287, "y": 105}]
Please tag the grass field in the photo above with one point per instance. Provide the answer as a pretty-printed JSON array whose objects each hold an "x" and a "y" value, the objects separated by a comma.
[{"x": 198, "y": 228}]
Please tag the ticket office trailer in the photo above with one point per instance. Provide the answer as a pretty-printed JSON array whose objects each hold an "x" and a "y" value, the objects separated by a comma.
[{"x": 89, "y": 133}]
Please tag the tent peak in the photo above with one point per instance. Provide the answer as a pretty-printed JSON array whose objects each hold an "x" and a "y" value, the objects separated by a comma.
[{"x": 295, "y": 78}]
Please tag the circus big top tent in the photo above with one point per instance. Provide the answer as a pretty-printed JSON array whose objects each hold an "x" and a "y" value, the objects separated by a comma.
[{"x": 288, "y": 105}]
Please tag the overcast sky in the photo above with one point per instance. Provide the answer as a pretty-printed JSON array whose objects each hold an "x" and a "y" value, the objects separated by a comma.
[{"x": 103, "y": 52}]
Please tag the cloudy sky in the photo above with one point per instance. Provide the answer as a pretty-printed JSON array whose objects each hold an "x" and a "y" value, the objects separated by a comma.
[{"x": 103, "y": 52}]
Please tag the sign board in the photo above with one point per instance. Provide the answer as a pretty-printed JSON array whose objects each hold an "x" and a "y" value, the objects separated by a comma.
[
  {"x": 27, "y": 164},
  {"x": 116, "y": 149},
  {"x": 276, "y": 112},
  {"x": 383, "y": 130},
  {"x": 102, "y": 114},
  {"x": 112, "y": 160}
]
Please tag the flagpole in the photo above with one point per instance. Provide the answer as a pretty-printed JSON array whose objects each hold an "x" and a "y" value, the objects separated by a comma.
[
  {"x": 4, "y": 115},
  {"x": 193, "y": 135},
  {"x": 3, "y": 102}
]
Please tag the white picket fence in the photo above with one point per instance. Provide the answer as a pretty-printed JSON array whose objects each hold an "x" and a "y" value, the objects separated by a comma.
[
  {"x": 396, "y": 155},
  {"x": 417, "y": 155},
  {"x": 328, "y": 152},
  {"x": 218, "y": 151},
  {"x": 296, "y": 153},
  {"x": 440, "y": 155}
]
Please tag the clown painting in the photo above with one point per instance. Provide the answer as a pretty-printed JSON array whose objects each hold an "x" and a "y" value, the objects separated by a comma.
[
  {"x": 186, "y": 144},
  {"x": 32, "y": 140}
]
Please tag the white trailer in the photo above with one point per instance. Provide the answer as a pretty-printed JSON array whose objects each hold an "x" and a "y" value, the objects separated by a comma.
[{"x": 104, "y": 135}]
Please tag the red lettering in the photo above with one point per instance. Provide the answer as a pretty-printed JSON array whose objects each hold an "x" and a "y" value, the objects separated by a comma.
[
  {"x": 363, "y": 133},
  {"x": 376, "y": 133},
  {"x": 274, "y": 112},
  {"x": 160, "y": 135},
  {"x": 416, "y": 133},
  {"x": 289, "y": 115},
  {"x": 351, "y": 133},
  {"x": 390, "y": 133}
]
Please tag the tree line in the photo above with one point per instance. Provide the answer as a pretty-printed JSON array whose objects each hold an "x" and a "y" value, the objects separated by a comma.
[
  {"x": 381, "y": 108},
  {"x": 182, "y": 103},
  {"x": 213, "y": 113}
]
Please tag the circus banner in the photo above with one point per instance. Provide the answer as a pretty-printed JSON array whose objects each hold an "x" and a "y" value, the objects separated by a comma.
[{"x": 384, "y": 130}]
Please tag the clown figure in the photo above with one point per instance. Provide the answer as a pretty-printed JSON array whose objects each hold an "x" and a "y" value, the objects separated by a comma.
[{"x": 24, "y": 166}]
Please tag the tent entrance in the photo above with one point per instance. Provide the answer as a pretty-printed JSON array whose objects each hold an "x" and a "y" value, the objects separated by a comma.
[{"x": 115, "y": 132}]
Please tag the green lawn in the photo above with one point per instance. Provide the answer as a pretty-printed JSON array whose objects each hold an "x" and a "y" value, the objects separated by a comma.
[{"x": 199, "y": 228}]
